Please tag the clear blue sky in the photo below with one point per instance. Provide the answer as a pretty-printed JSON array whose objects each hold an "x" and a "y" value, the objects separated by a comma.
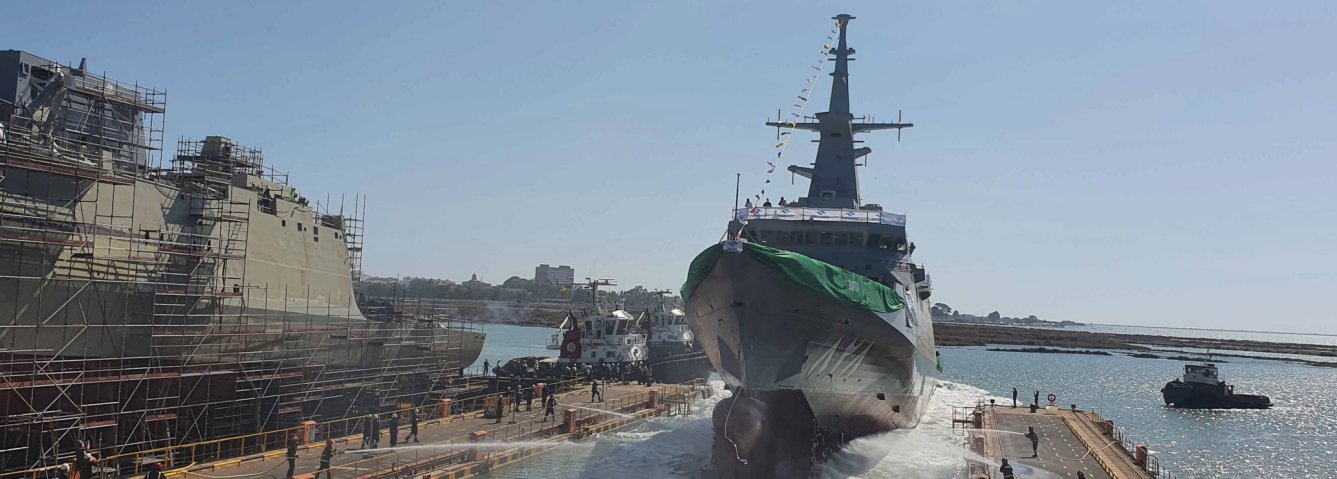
[{"x": 1157, "y": 163}]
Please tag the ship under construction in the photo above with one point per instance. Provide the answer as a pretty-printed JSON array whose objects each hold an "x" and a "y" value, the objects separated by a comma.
[{"x": 148, "y": 303}]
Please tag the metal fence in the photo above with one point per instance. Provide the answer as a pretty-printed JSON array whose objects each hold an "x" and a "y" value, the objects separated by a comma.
[
  {"x": 401, "y": 462},
  {"x": 1129, "y": 446}
]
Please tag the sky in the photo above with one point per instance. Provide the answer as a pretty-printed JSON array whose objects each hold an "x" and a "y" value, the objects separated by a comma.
[{"x": 1149, "y": 163}]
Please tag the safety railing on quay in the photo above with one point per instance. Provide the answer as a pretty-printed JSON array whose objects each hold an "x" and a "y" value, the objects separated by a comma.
[
  {"x": 1152, "y": 463},
  {"x": 184, "y": 455},
  {"x": 456, "y": 450}
]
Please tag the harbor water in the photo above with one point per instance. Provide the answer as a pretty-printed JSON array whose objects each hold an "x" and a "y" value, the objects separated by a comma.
[{"x": 1296, "y": 438}]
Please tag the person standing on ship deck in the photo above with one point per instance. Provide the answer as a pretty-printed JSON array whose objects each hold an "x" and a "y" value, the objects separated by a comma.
[
  {"x": 1014, "y": 398},
  {"x": 1006, "y": 470},
  {"x": 394, "y": 430}
]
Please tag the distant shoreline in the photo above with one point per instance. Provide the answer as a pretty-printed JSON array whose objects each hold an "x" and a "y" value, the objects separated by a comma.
[
  {"x": 1036, "y": 340},
  {"x": 1288, "y": 333},
  {"x": 954, "y": 334}
]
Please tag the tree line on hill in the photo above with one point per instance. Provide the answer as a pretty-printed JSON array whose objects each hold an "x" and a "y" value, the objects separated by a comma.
[
  {"x": 943, "y": 312},
  {"x": 515, "y": 289}
]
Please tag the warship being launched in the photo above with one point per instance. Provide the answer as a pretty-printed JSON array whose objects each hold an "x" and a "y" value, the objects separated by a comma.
[
  {"x": 813, "y": 313},
  {"x": 146, "y": 305}
]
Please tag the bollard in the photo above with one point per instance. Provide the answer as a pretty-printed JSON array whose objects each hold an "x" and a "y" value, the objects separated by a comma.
[
  {"x": 1140, "y": 456},
  {"x": 569, "y": 421},
  {"x": 477, "y": 437},
  {"x": 309, "y": 432},
  {"x": 445, "y": 407}
]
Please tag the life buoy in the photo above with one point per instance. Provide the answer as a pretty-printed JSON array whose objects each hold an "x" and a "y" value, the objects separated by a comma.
[{"x": 1052, "y": 398}]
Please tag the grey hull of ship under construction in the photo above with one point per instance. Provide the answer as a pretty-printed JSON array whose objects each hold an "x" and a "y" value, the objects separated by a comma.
[
  {"x": 146, "y": 307},
  {"x": 814, "y": 315}
]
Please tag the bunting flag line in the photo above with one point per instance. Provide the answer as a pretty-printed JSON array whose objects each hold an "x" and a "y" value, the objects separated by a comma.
[{"x": 790, "y": 126}]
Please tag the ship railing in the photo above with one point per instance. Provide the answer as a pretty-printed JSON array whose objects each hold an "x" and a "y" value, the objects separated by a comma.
[{"x": 846, "y": 215}]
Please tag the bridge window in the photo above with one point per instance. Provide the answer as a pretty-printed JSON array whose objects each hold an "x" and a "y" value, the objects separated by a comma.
[
  {"x": 810, "y": 237},
  {"x": 873, "y": 240},
  {"x": 767, "y": 236},
  {"x": 856, "y": 239},
  {"x": 824, "y": 237},
  {"x": 840, "y": 239},
  {"x": 787, "y": 237},
  {"x": 828, "y": 194}
]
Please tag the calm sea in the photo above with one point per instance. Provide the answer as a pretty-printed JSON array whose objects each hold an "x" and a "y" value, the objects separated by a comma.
[{"x": 1297, "y": 438}]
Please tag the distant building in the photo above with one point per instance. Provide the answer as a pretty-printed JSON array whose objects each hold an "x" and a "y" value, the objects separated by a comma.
[
  {"x": 554, "y": 275},
  {"x": 475, "y": 282}
]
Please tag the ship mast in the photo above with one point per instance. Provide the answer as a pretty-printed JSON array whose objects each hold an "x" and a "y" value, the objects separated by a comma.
[{"x": 834, "y": 181}]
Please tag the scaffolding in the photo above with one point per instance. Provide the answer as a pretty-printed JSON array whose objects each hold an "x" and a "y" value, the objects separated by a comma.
[{"x": 128, "y": 316}]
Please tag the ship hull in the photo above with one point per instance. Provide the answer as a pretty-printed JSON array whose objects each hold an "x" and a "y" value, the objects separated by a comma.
[
  {"x": 108, "y": 327},
  {"x": 1185, "y": 395},
  {"x": 678, "y": 363},
  {"x": 809, "y": 373}
]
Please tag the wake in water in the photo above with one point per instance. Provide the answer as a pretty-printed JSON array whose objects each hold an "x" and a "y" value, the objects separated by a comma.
[
  {"x": 602, "y": 411},
  {"x": 932, "y": 450},
  {"x": 679, "y": 447}
]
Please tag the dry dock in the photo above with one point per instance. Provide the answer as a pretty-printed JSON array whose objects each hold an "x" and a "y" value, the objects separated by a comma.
[{"x": 1071, "y": 440}]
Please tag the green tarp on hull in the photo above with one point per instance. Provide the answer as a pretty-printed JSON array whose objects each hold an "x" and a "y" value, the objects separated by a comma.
[{"x": 833, "y": 281}]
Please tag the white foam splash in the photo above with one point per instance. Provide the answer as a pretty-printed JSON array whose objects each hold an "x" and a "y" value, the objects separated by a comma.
[
  {"x": 679, "y": 447},
  {"x": 932, "y": 450}
]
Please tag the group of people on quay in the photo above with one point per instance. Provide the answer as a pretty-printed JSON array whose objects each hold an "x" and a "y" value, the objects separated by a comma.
[{"x": 544, "y": 369}]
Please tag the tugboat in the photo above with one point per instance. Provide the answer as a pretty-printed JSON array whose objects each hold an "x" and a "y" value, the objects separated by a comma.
[
  {"x": 1201, "y": 388},
  {"x": 674, "y": 355},
  {"x": 609, "y": 343}
]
